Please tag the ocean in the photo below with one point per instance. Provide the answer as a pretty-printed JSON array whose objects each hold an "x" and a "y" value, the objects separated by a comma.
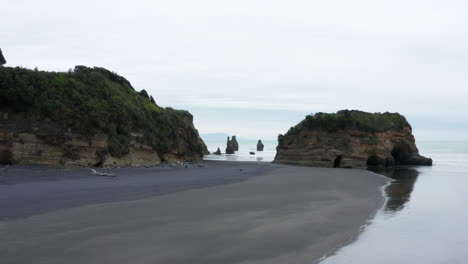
[
  {"x": 423, "y": 219},
  {"x": 245, "y": 147}
]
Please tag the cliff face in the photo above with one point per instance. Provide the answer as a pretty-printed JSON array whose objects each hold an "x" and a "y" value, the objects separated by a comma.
[
  {"x": 88, "y": 117},
  {"x": 350, "y": 139}
]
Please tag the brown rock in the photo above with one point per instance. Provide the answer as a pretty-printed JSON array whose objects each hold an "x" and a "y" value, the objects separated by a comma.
[
  {"x": 27, "y": 140},
  {"x": 350, "y": 139}
]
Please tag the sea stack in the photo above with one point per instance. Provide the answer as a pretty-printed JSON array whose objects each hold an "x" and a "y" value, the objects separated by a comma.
[
  {"x": 260, "y": 145},
  {"x": 217, "y": 152},
  {"x": 229, "y": 147},
  {"x": 350, "y": 139},
  {"x": 235, "y": 145}
]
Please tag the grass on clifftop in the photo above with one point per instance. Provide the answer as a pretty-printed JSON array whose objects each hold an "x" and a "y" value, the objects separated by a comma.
[
  {"x": 352, "y": 119},
  {"x": 93, "y": 100}
]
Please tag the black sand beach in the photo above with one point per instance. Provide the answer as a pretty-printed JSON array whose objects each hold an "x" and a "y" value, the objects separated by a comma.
[
  {"x": 27, "y": 190},
  {"x": 290, "y": 214}
]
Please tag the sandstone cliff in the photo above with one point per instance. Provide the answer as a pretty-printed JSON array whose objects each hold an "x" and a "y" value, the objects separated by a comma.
[
  {"x": 350, "y": 139},
  {"x": 88, "y": 117}
]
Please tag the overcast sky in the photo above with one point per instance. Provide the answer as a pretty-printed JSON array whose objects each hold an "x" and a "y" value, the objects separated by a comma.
[{"x": 255, "y": 68}]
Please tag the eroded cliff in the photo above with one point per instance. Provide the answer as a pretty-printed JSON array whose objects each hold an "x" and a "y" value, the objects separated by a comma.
[
  {"x": 88, "y": 117},
  {"x": 350, "y": 139}
]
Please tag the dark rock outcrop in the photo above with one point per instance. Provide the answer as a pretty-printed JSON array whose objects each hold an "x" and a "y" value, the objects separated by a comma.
[
  {"x": 350, "y": 139},
  {"x": 229, "y": 146},
  {"x": 260, "y": 145},
  {"x": 235, "y": 144},
  {"x": 217, "y": 152},
  {"x": 88, "y": 117}
]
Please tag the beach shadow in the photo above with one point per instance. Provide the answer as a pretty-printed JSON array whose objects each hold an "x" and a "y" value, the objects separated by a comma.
[{"x": 399, "y": 191}]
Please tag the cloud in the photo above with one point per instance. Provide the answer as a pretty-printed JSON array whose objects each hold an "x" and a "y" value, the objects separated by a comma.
[{"x": 292, "y": 56}]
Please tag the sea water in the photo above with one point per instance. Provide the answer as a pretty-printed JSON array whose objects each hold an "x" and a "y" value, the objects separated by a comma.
[
  {"x": 425, "y": 216},
  {"x": 246, "y": 146}
]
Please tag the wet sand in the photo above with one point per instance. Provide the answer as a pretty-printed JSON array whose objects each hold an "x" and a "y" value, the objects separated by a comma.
[
  {"x": 289, "y": 214},
  {"x": 28, "y": 190}
]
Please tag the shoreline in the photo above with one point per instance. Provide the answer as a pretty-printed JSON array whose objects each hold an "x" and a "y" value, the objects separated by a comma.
[
  {"x": 270, "y": 214},
  {"x": 368, "y": 222}
]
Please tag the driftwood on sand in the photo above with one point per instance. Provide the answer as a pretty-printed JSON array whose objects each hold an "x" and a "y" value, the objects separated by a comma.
[{"x": 102, "y": 173}]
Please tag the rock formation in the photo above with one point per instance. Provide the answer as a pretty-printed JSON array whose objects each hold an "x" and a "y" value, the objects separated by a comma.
[
  {"x": 235, "y": 145},
  {"x": 229, "y": 146},
  {"x": 350, "y": 139},
  {"x": 88, "y": 117},
  {"x": 217, "y": 152},
  {"x": 260, "y": 145}
]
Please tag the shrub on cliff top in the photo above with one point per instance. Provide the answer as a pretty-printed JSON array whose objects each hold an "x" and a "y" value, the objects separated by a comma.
[{"x": 352, "y": 119}]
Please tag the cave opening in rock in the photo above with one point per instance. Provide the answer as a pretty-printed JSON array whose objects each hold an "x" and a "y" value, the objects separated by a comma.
[
  {"x": 6, "y": 157},
  {"x": 374, "y": 161},
  {"x": 401, "y": 152},
  {"x": 337, "y": 162}
]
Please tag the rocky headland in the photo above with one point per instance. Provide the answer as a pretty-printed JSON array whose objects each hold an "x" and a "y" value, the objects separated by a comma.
[
  {"x": 350, "y": 139},
  {"x": 88, "y": 117}
]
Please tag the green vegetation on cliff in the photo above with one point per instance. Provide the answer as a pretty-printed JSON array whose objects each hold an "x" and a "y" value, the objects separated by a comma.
[
  {"x": 95, "y": 100},
  {"x": 352, "y": 119}
]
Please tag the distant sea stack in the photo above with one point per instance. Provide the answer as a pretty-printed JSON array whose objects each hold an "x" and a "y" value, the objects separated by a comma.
[
  {"x": 217, "y": 152},
  {"x": 350, "y": 139},
  {"x": 235, "y": 144},
  {"x": 260, "y": 145},
  {"x": 229, "y": 146},
  {"x": 88, "y": 117}
]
